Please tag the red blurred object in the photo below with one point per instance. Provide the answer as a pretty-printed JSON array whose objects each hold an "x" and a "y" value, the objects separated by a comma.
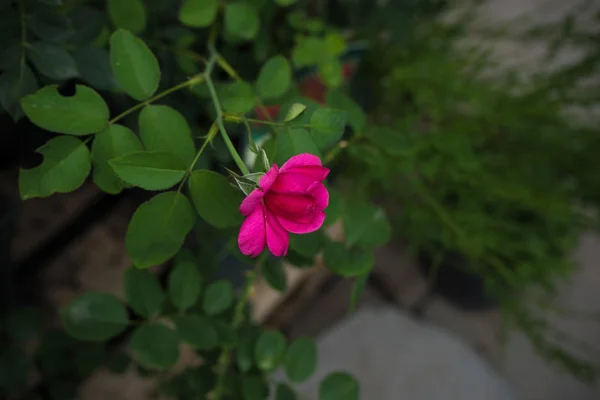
[{"x": 311, "y": 87}]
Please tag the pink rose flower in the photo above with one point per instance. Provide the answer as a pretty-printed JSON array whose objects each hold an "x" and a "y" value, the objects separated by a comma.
[{"x": 290, "y": 199}]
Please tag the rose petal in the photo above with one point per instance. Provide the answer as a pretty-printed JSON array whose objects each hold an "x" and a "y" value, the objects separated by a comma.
[
  {"x": 301, "y": 160},
  {"x": 304, "y": 225},
  {"x": 278, "y": 239},
  {"x": 293, "y": 182},
  {"x": 317, "y": 172},
  {"x": 290, "y": 205},
  {"x": 252, "y": 201},
  {"x": 267, "y": 179},
  {"x": 253, "y": 236},
  {"x": 321, "y": 196}
]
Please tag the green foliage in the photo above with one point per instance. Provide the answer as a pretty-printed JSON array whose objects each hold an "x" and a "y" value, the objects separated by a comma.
[
  {"x": 237, "y": 97},
  {"x": 274, "y": 274},
  {"x": 158, "y": 228},
  {"x": 294, "y": 141},
  {"x": 185, "y": 285},
  {"x": 269, "y": 350},
  {"x": 135, "y": 68},
  {"x": 198, "y": 13},
  {"x": 128, "y": 15},
  {"x": 95, "y": 316},
  {"x": 113, "y": 142},
  {"x": 241, "y": 20},
  {"x": 65, "y": 167},
  {"x": 218, "y": 297},
  {"x": 197, "y": 331},
  {"x": 346, "y": 261},
  {"x": 275, "y": 78},
  {"x": 300, "y": 359},
  {"x": 164, "y": 129},
  {"x": 52, "y": 61},
  {"x": 366, "y": 226},
  {"x": 150, "y": 170},
  {"x": 143, "y": 292},
  {"x": 327, "y": 127},
  {"x": 284, "y": 392},
  {"x": 81, "y": 114},
  {"x": 155, "y": 346},
  {"x": 338, "y": 386},
  {"x": 216, "y": 201}
]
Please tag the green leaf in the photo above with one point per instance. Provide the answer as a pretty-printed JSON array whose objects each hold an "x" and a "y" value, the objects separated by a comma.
[
  {"x": 334, "y": 209},
  {"x": 236, "y": 97},
  {"x": 143, "y": 292},
  {"x": 65, "y": 167},
  {"x": 301, "y": 359},
  {"x": 155, "y": 346},
  {"x": 269, "y": 350},
  {"x": 196, "y": 331},
  {"x": 274, "y": 274},
  {"x": 241, "y": 20},
  {"x": 339, "y": 386},
  {"x": 158, "y": 228},
  {"x": 133, "y": 64},
  {"x": 198, "y": 13},
  {"x": 150, "y": 170},
  {"x": 93, "y": 64},
  {"x": 357, "y": 119},
  {"x": 294, "y": 112},
  {"x": 95, "y": 316},
  {"x": 285, "y": 392},
  {"x": 254, "y": 388},
  {"x": 163, "y": 128},
  {"x": 331, "y": 72},
  {"x": 227, "y": 335},
  {"x": 113, "y": 142},
  {"x": 129, "y": 15},
  {"x": 244, "y": 352},
  {"x": 308, "y": 245},
  {"x": 49, "y": 26},
  {"x": 366, "y": 226},
  {"x": 298, "y": 260},
  {"x": 87, "y": 24},
  {"x": 358, "y": 289},
  {"x": 347, "y": 262},
  {"x": 216, "y": 201},
  {"x": 218, "y": 297},
  {"x": 14, "y": 84},
  {"x": 23, "y": 324},
  {"x": 82, "y": 114},
  {"x": 275, "y": 78},
  {"x": 293, "y": 141},
  {"x": 308, "y": 51},
  {"x": 185, "y": 285},
  {"x": 327, "y": 126},
  {"x": 52, "y": 61}
]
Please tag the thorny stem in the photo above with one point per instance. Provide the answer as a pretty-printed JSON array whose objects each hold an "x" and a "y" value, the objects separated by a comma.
[
  {"x": 238, "y": 317},
  {"x": 194, "y": 80},
  {"x": 219, "y": 111}
]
